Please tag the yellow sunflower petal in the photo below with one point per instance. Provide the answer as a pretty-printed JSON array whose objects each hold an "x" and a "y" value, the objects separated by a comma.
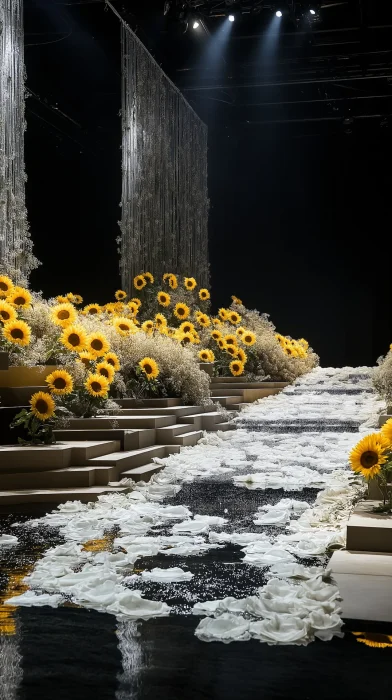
[
  {"x": 97, "y": 385},
  {"x": 60, "y": 382},
  {"x": 17, "y": 332},
  {"x": 42, "y": 405},
  {"x": 74, "y": 338},
  {"x": 7, "y": 312},
  {"x": 149, "y": 367},
  {"x": 368, "y": 455},
  {"x": 64, "y": 315},
  {"x": 6, "y": 286},
  {"x": 97, "y": 344}
]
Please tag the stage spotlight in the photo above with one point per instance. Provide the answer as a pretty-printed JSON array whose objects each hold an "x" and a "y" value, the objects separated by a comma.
[
  {"x": 196, "y": 24},
  {"x": 231, "y": 18},
  {"x": 312, "y": 12},
  {"x": 279, "y": 13}
]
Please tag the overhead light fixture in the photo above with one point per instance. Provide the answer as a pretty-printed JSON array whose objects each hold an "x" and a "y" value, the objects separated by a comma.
[
  {"x": 312, "y": 12},
  {"x": 279, "y": 13},
  {"x": 196, "y": 24},
  {"x": 231, "y": 18}
]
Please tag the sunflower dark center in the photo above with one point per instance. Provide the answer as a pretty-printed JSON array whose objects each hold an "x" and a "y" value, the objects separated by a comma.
[
  {"x": 5, "y": 315},
  {"x": 62, "y": 315},
  {"x": 4, "y": 287},
  {"x": 181, "y": 311},
  {"x": 17, "y": 334},
  {"x": 59, "y": 383},
  {"x": 110, "y": 361},
  {"x": 41, "y": 406},
  {"x": 124, "y": 327},
  {"x": 369, "y": 459},
  {"x": 19, "y": 301},
  {"x": 230, "y": 341},
  {"x": 97, "y": 344},
  {"x": 147, "y": 368},
  {"x": 96, "y": 386},
  {"x": 104, "y": 372},
  {"x": 93, "y": 311},
  {"x": 74, "y": 339}
]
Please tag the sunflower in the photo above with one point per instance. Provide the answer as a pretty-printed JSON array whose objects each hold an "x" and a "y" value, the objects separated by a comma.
[
  {"x": 124, "y": 326},
  {"x": 91, "y": 309},
  {"x": 20, "y": 297},
  {"x": 149, "y": 276},
  {"x": 216, "y": 335},
  {"x": 212, "y": 356},
  {"x": 7, "y": 312},
  {"x": 62, "y": 300},
  {"x": 120, "y": 295},
  {"x": 160, "y": 320},
  {"x": 241, "y": 355},
  {"x": 86, "y": 357},
  {"x": 236, "y": 300},
  {"x": 148, "y": 326},
  {"x": 173, "y": 282},
  {"x": 96, "y": 385},
  {"x": 232, "y": 350},
  {"x": 133, "y": 308},
  {"x": 234, "y": 318},
  {"x": 112, "y": 359},
  {"x": 105, "y": 370},
  {"x": 236, "y": 368},
  {"x": 6, "y": 286},
  {"x": 222, "y": 343},
  {"x": 222, "y": 313},
  {"x": 78, "y": 299},
  {"x": 190, "y": 283},
  {"x": 240, "y": 331},
  {"x": 204, "y": 294},
  {"x": 230, "y": 339},
  {"x": 17, "y": 332},
  {"x": 304, "y": 343},
  {"x": 70, "y": 297},
  {"x": 374, "y": 639},
  {"x": 386, "y": 431},
  {"x": 187, "y": 327},
  {"x": 60, "y": 382},
  {"x": 42, "y": 405},
  {"x": 109, "y": 308},
  {"x": 163, "y": 298},
  {"x": 74, "y": 338},
  {"x": 149, "y": 367},
  {"x": 204, "y": 320},
  {"x": 289, "y": 350},
  {"x": 166, "y": 276},
  {"x": 64, "y": 314},
  {"x": 248, "y": 338},
  {"x": 139, "y": 282},
  {"x": 187, "y": 338},
  {"x": 119, "y": 307},
  {"x": 136, "y": 301},
  {"x": 217, "y": 322},
  {"x": 368, "y": 455},
  {"x": 171, "y": 332},
  {"x": 181, "y": 311},
  {"x": 97, "y": 344},
  {"x": 280, "y": 338},
  {"x": 205, "y": 355}
]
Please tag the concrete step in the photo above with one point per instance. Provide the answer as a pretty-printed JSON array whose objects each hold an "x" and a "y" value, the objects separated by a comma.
[
  {"x": 19, "y": 395},
  {"x": 133, "y": 421},
  {"x": 383, "y": 418},
  {"x": 189, "y": 439},
  {"x": 167, "y": 435},
  {"x": 226, "y": 391},
  {"x": 368, "y": 531},
  {"x": 227, "y": 400},
  {"x": 239, "y": 406},
  {"x": 59, "y": 478},
  {"x": 173, "y": 412},
  {"x": 124, "y": 461},
  {"x": 236, "y": 380},
  {"x": 223, "y": 427},
  {"x": 248, "y": 394},
  {"x": 19, "y": 458},
  {"x": 143, "y": 473},
  {"x": 148, "y": 403},
  {"x": 364, "y": 580},
  {"x": 84, "y": 494},
  {"x": 128, "y": 439}
]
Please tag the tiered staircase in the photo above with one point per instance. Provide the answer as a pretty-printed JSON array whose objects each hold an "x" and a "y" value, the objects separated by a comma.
[{"x": 93, "y": 454}]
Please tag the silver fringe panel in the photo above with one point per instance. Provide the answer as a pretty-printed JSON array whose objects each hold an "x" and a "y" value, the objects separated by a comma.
[
  {"x": 16, "y": 255},
  {"x": 165, "y": 204}
]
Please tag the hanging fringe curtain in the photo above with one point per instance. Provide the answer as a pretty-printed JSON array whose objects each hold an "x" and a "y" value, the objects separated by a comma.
[
  {"x": 165, "y": 204},
  {"x": 16, "y": 255}
]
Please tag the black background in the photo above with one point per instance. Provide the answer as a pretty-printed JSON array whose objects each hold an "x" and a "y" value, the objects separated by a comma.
[{"x": 300, "y": 212}]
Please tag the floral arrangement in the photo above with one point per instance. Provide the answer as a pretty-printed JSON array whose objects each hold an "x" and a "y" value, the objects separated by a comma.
[
  {"x": 372, "y": 458},
  {"x": 382, "y": 377}
]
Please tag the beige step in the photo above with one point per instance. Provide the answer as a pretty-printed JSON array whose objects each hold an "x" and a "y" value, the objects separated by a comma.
[
  {"x": 19, "y": 395},
  {"x": 87, "y": 494},
  {"x": 168, "y": 435},
  {"x": 236, "y": 380},
  {"x": 227, "y": 400},
  {"x": 224, "y": 427},
  {"x": 226, "y": 391},
  {"x": 242, "y": 385},
  {"x": 143, "y": 473},
  {"x": 239, "y": 406},
  {"x": 364, "y": 580},
  {"x": 248, "y": 395},
  {"x": 148, "y": 403},
  {"x": 59, "y": 478},
  {"x": 19, "y": 458},
  {"x": 368, "y": 531},
  {"x": 172, "y": 412},
  {"x": 383, "y": 418},
  {"x": 128, "y": 439},
  {"x": 189, "y": 439},
  {"x": 207, "y": 367},
  {"x": 124, "y": 461},
  {"x": 123, "y": 421}
]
